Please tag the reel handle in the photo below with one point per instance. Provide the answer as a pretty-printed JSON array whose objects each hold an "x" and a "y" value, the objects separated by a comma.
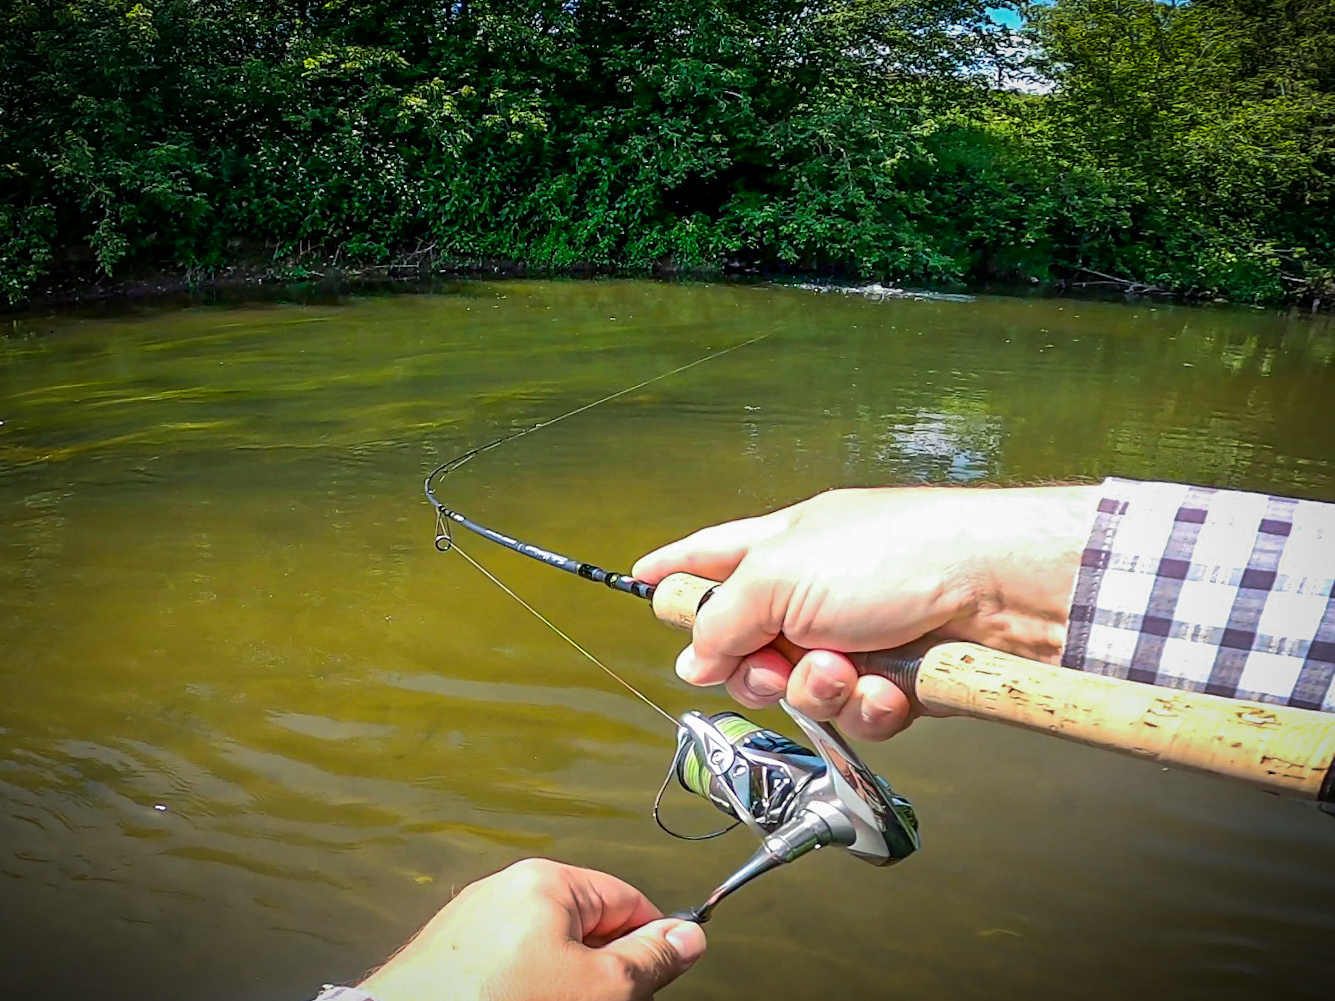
[{"x": 1276, "y": 748}]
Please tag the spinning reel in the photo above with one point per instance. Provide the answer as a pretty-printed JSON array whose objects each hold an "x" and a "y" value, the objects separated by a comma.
[{"x": 794, "y": 799}]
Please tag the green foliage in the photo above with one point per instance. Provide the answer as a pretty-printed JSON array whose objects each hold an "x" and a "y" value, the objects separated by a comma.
[
  {"x": 1211, "y": 126},
  {"x": 1186, "y": 147},
  {"x": 26, "y": 235}
]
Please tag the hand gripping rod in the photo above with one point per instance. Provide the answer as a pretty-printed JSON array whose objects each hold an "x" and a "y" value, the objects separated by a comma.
[{"x": 1276, "y": 748}]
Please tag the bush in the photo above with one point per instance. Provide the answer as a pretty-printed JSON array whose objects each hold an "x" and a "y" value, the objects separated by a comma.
[{"x": 1184, "y": 147}]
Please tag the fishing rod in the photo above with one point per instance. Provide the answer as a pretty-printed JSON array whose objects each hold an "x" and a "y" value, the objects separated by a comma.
[{"x": 796, "y": 799}]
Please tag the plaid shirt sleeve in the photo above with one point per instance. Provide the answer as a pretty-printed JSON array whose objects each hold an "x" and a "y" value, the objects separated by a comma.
[{"x": 1205, "y": 590}]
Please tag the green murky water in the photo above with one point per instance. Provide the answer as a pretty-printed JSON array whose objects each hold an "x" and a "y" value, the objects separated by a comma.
[{"x": 253, "y": 728}]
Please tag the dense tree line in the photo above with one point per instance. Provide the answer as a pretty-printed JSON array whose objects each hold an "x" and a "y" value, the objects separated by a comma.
[{"x": 1188, "y": 147}]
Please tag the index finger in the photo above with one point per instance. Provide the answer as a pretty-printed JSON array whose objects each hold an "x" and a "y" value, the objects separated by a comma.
[
  {"x": 737, "y": 620},
  {"x": 712, "y": 552}
]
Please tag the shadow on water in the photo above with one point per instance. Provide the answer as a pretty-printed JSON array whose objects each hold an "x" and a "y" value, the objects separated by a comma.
[{"x": 254, "y": 729}]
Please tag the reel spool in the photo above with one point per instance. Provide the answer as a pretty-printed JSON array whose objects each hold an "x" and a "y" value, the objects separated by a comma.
[
  {"x": 795, "y": 799},
  {"x": 776, "y": 768}
]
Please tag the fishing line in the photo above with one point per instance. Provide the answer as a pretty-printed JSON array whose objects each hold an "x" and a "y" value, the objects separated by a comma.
[
  {"x": 565, "y": 636},
  {"x": 589, "y": 571},
  {"x": 459, "y": 460}
]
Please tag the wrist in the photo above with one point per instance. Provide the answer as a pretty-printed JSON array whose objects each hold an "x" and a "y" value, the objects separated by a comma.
[
  {"x": 336, "y": 992},
  {"x": 1020, "y": 588},
  {"x": 421, "y": 975},
  {"x": 411, "y": 982},
  {"x": 382, "y": 988}
]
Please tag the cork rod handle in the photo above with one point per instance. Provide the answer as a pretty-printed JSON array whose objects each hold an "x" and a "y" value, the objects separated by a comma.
[{"x": 1276, "y": 748}]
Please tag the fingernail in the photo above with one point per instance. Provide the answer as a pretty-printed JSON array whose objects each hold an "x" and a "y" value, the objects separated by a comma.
[
  {"x": 873, "y": 713},
  {"x": 688, "y": 940},
  {"x": 761, "y": 685},
  {"x": 823, "y": 687},
  {"x": 687, "y": 670}
]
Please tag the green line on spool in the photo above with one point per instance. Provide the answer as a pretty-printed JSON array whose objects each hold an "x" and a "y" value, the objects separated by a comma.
[{"x": 691, "y": 772}]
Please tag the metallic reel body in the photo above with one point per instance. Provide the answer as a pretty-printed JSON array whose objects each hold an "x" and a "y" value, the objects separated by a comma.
[{"x": 795, "y": 800}]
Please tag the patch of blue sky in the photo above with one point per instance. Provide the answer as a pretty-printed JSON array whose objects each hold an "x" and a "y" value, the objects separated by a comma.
[{"x": 1009, "y": 18}]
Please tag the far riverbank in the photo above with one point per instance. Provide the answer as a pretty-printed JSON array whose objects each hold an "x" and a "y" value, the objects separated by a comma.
[{"x": 79, "y": 285}]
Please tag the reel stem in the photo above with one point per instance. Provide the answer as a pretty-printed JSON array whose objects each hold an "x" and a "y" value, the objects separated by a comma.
[{"x": 804, "y": 833}]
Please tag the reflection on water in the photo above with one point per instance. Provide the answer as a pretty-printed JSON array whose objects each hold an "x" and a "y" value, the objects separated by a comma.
[{"x": 254, "y": 729}]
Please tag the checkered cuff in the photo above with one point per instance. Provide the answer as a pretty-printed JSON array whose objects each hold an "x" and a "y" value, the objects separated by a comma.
[{"x": 1212, "y": 591}]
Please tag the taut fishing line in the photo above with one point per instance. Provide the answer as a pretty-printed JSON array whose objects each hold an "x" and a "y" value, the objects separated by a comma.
[
  {"x": 793, "y": 798},
  {"x": 589, "y": 571},
  {"x": 565, "y": 636}
]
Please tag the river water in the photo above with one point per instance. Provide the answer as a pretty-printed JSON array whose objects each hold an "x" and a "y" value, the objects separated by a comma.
[{"x": 254, "y": 729}]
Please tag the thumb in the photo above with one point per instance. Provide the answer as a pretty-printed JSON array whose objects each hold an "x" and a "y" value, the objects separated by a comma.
[{"x": 653, "y": 955}]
